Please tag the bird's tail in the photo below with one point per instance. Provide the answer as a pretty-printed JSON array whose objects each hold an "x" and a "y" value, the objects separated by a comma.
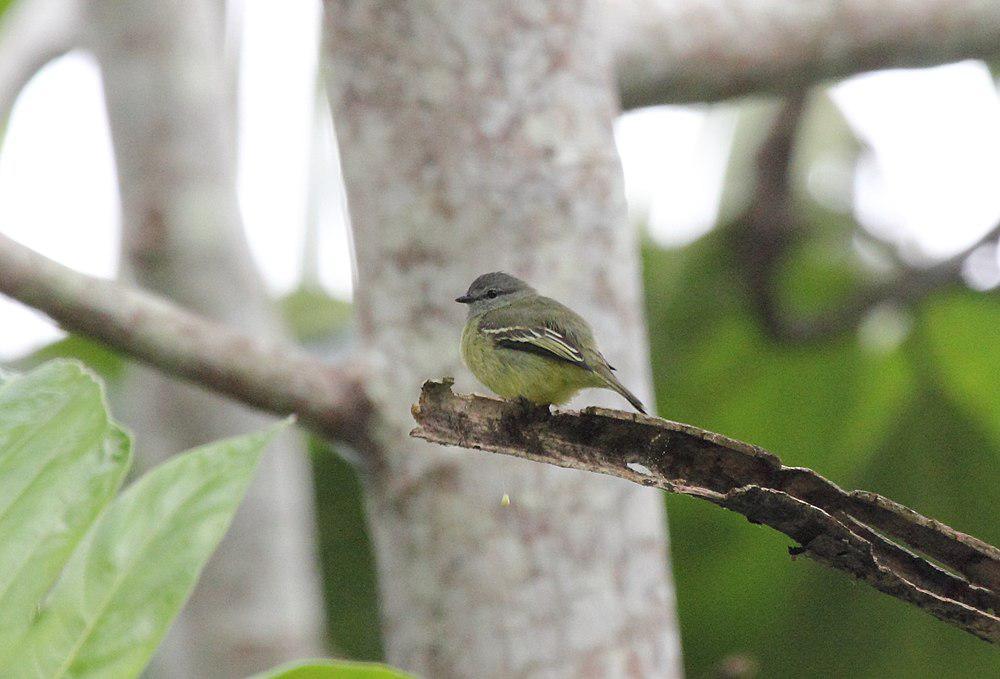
[{"x": 614, "y": 384}]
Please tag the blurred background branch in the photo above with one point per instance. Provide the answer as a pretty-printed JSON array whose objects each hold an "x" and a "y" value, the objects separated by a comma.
[
  {"x": 772, "y": 225},
  {"x": 834, "y": 527},
  {"x": 704, "y": 50},
  {"x": 33, "y": 33}
]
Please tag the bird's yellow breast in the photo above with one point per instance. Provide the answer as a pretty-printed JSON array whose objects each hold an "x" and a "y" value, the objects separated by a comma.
[{"x": 510, "y": 373}]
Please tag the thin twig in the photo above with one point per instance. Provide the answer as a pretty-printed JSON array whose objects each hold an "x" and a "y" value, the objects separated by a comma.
[{"x": 857, "y": 532}]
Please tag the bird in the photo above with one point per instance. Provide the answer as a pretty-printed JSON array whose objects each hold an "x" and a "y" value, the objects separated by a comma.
[{"x": 524, "y": 346}]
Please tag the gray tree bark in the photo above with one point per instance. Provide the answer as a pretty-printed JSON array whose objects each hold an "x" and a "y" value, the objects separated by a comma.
[
  {"x": 672, "y": 51},
  {"x": 168, "y": 90},
  {"x": 861, "y": 533},
  {"x": 474, "y": 137}
]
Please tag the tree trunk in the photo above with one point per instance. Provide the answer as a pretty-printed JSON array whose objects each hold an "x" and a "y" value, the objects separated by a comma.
[
  {"x": 477, "y": 136},
  {"x": 168, "y": 93}
]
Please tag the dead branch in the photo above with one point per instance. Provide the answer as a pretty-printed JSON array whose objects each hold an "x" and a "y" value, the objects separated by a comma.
[{"x": 857, "y": 532}]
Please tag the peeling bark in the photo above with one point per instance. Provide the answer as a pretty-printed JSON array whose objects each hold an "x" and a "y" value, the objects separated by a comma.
[
  {"x": 852, "y": 531},
  {"x": 477, "y": 137}
]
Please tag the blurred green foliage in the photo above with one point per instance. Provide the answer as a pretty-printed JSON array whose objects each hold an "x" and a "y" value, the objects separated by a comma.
[
  {"x": 912, "y": 422},
  {"x": 313, "y": 316},
  {"x": 330, "y": 669},
  {"x": 345, "y": 551},
  {"x": 909, "y": 408},
  {"x": 346, "y": 556}
]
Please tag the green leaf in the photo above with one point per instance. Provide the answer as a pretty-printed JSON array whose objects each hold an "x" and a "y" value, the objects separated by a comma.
[
  {"x": 61, "y": 461},
  {"x": 961, "y": 332},
  {"x": 333, "y": 669},
  {"x": 137, "y": 565},
  {"x": 108, "y": 364}
]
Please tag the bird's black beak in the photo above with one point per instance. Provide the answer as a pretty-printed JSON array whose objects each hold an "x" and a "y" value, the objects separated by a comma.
[{"x": 464, "y": 299}]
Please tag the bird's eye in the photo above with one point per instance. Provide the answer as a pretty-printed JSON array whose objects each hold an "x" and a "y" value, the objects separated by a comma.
[{"x": 492, "y": 293}]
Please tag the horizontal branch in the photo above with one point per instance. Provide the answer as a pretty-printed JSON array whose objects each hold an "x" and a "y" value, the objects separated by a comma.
[
  {"x": 857, "y": 532},
  {"x": 672, "y": 51},
  {"x": 271, "y": 376}
]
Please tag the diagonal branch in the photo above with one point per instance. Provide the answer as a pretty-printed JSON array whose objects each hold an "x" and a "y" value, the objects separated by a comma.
[
  {"x": 674, "y": 51},
  {"x": 268, "y": 375},
  {"x": 857, "y": 532},
  {"x": 761, "y": 238}
]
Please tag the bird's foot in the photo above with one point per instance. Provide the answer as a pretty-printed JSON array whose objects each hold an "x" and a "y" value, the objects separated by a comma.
[{"x": 529, "y": 410}]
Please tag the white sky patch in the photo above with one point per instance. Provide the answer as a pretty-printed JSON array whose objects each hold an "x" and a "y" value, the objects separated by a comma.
[
  {"x": 329, "y": 208},
  {"x": 277, "y": 92},
  {"x": 58, "y": 189},
  {"x": 674, "y": 160},
  {"x": 932, "y": 184},
  {"x": 982, "y": 268}
]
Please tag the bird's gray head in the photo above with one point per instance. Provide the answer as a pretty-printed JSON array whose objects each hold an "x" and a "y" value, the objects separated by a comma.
[{"x": 492, "y": 290}]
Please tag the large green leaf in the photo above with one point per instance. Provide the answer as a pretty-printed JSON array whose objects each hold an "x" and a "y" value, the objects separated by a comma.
[
  {"x": 61, "y": 462},
  {"x": 333, "y": 669},
  {"x": 136, "y": 566}
]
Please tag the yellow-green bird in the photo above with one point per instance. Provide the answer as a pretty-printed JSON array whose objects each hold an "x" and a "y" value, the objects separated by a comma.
[{"x": 523, "y": 345}]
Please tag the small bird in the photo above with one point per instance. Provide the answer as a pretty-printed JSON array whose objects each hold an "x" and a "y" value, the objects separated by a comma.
[{"x": 523, "y": 345}]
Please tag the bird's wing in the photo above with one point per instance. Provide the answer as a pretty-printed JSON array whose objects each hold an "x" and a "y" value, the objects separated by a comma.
[
  {"x": 539, "y": 340},
  {"x": 533, "y": 328}
]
